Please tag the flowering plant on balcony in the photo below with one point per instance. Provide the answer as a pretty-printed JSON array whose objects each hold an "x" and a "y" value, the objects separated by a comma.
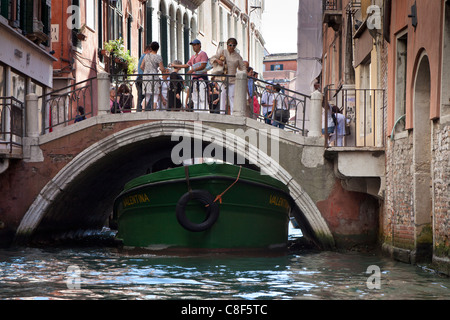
[{"x": 116, "y": 50}]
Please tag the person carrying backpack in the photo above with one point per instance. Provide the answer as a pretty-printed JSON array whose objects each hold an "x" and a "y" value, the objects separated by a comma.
[{"x": 125, "y": 98}]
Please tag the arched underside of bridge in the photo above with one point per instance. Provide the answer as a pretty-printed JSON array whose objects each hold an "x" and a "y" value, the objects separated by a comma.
[{"x": 81, "y": 195}]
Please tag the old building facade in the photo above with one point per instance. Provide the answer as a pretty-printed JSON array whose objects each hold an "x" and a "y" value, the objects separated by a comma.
[
  {"x": 417, "y": 213},
  {"x": 81, "y": 28},
  {"x": 80, "y": 34},
  {"x": 26, "y": 63},
  {"x": 398, "y": 48},
  {"x": 281, "y": 68}
]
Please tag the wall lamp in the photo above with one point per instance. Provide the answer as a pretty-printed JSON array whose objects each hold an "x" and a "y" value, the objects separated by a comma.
[{"x": 413, "y": 15}]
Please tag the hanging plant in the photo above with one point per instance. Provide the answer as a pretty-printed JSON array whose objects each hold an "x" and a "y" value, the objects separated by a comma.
[
  {"x": 120, "y": 55},
  {"x": 114, "y": 46}
]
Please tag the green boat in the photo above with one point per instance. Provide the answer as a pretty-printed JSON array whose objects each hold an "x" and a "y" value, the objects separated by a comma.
[{"x": 213, "y": 207}]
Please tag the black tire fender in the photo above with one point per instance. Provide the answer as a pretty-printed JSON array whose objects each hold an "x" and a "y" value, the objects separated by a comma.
[{"x": 211, "y": 207}]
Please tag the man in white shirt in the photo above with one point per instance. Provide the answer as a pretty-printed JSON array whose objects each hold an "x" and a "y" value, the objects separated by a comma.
[{"x": 267, "y": 103}]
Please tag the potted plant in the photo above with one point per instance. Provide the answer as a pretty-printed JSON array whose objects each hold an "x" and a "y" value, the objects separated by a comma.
[
  {"x": 113, "y": 46},
  {"x": 80, "y": 33},
  {"x": 104, "y": 52},
  {"x": 121, "y": 56},
  {"x": 131, "y": 64}
]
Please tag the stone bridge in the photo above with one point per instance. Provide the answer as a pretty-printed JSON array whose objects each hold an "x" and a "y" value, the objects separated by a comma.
[{"x": 67, "y": 180}]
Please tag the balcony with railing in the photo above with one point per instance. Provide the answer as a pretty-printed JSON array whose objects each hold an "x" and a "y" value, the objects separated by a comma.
[
  {"x": 11, "y": 127},
  {"x": 332, "y": 13},
  {"x": 356, "y": 145},
  {"x": 60, "y": 107},
  {"x": 357, "y": 117}
]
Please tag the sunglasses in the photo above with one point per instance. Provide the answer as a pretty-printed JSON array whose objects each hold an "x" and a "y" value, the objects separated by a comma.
[{"x": 232, "y": 45}]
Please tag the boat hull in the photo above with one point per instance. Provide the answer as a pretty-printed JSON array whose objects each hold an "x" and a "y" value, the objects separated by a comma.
[{"x": 251, "y": 214}]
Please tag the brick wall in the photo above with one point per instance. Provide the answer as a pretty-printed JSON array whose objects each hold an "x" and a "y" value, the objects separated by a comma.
[
  {"x": 287, "y": 64},
  {"x": 398, "y": 218},
  {"x": 441, "y": 188}
]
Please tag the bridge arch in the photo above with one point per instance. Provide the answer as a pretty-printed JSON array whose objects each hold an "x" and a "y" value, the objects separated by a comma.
[{"x": 89, "y": 168}]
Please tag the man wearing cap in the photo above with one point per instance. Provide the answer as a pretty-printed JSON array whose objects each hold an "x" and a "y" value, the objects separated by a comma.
[{"x": 198, "y": 63}]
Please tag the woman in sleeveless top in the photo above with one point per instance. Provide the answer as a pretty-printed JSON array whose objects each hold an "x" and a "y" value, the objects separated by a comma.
[{"x": 151, "y": 86}]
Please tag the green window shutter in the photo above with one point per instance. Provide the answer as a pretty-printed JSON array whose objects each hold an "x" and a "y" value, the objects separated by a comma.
[
  {"x": 163, "y": 44},
  {"x": 46, "y": 16},
  {"x": 26, "y": 16},
  {"x": 5, "y": 6},
  {"x": 186, "y": 43}
]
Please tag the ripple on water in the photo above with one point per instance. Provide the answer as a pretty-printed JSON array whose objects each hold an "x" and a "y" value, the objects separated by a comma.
[{"x": 42, "y": 274}]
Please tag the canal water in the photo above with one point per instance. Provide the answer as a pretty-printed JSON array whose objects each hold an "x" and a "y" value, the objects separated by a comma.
[{"x": 108, "y": 274}]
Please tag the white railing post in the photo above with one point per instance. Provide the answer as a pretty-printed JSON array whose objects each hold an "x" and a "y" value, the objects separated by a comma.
[
  {"x": 240, "y": 94},
  {"x": 32, "y": 116},
  {"x": 103, "y": 85},
  {"x": 315, "y": 116},
  {"x": 30, "y": 148}
]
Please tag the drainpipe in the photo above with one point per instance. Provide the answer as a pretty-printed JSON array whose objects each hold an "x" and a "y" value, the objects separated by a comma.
[{"x": 396, "y": 122}]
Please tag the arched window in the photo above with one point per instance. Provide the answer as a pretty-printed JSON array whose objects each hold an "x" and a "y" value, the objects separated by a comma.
[
  {"x": 173, "y": 33},
  {"x": 163, "y": 29},
  {"x": 182, "y": 39},
  {"x": 193, "y": 31}
]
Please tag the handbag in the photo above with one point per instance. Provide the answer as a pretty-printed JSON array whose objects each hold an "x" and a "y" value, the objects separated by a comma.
[
  {"x": 282, "y": 115},
  {"x": 218, "y": 69},
  {"x": 348, "y": 130}
]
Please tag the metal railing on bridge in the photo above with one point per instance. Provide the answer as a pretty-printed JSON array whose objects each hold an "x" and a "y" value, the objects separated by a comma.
[
  {"x": 60, "y": 107},
  {"x": 177, "y": 93},
  {"x": 212, "y": 94},
  {"x": 273, "y": 96},
  {"x": 12, "y": 123}
]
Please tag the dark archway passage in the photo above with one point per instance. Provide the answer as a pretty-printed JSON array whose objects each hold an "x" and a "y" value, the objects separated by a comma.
[{"x": 423, "y": 209}]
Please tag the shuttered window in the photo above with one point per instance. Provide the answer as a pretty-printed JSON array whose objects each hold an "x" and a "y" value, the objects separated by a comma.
[
  {"x": 46, "y": 17},
  {"x": 25, "y": 14},
  {"x": 5, "y": 8},
  {"x": 149, "y": 21},
  {"x": 115, "y": 20},
  {"x": 100, "y": 27}
]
